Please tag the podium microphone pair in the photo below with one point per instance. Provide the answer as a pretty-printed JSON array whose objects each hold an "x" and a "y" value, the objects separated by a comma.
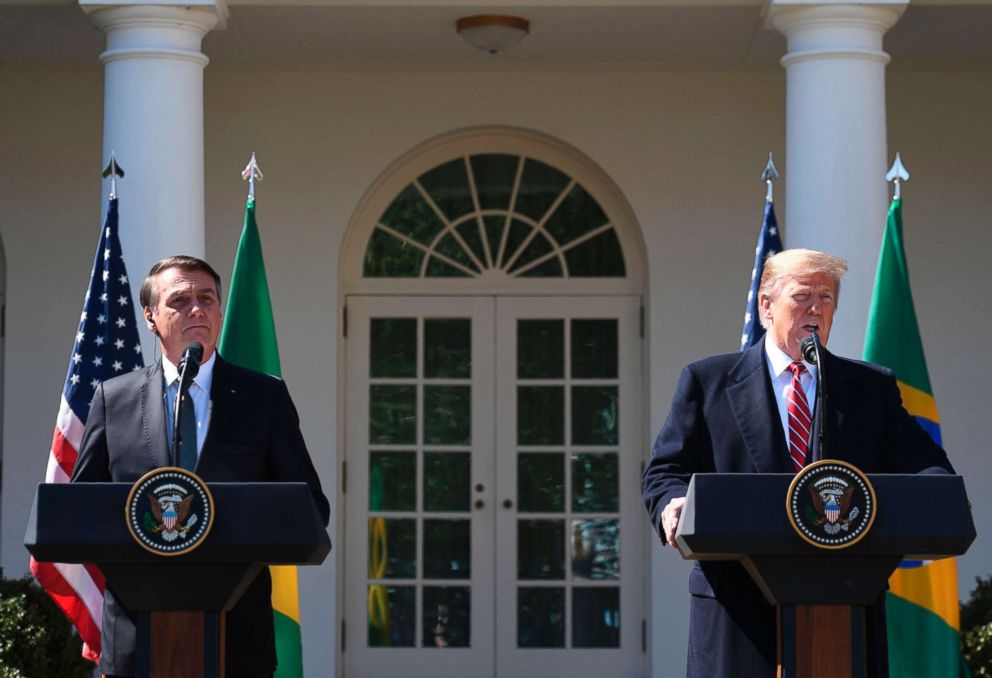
[
  {"x": 812, "y": 351},
  {"x": 189, "y": 367}
]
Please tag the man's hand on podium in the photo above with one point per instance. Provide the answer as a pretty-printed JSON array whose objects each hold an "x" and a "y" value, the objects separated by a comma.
[{"x": 670, "y": 519}]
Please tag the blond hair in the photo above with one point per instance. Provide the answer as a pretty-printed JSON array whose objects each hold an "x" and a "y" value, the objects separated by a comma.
[{"x": 797, "y": 263}]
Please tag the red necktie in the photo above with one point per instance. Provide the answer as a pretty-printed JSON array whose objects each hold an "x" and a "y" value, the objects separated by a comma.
[{"x": 800, "y": 420}]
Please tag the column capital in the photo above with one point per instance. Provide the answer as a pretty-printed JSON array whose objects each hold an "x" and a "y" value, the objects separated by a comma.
[
  {"x": 827, "y": 29},
  {"x": 138, "y": 30},
  {"x": 198, "y": 15}
]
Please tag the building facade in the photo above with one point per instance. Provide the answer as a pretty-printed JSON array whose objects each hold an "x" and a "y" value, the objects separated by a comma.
[{"x": 487, "y": 270}]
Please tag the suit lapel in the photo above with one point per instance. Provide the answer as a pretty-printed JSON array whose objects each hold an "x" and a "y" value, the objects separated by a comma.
[
  {"x": 756, "y": 411},
  {"x": 153, "y": 412},
  {"x": 841, "y": 394},
  {"x": 222, "y": 395}
]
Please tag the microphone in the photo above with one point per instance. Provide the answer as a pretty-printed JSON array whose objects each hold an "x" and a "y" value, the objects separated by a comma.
[
  {"x": 189, "y": 364},
  {"x": 811, "y": 349}
]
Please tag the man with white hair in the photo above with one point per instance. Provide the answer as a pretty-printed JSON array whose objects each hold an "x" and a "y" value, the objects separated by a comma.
[{"x": 731, "y": 414}]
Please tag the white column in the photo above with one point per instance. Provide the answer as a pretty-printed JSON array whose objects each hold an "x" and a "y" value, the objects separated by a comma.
[
  {"x": 153, "y": 120},
  {"x": 836, "y": 195}
]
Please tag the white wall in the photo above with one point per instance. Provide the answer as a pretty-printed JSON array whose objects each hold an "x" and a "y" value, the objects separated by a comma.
[{"x": 685, "y": 148}]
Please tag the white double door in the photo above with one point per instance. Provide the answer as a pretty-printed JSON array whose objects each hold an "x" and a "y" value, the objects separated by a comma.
[{"x": 493, "y": 516}]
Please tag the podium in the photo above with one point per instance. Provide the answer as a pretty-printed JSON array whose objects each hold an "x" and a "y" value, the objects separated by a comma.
[
  {"x": 821, "y": 595},
  {"x": 179, "y": 601}
]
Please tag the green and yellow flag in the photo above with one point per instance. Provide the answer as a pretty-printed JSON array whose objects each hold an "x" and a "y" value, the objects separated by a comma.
[
  {"x": 922, "y": 603},
  {"x": 248, "y": 339}
]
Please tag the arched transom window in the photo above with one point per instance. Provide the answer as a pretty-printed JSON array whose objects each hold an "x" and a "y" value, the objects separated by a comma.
[{"x": 492, "y": 216}]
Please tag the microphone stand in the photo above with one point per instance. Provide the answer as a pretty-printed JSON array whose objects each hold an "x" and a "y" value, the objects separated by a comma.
[
  {"x": 812, "y": 350},
  {"x": 188, "y": 368}
]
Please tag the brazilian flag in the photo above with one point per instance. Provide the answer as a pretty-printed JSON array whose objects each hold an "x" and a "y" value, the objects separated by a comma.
[
  {"x": 924, "y": 629},
  {"x": 248, "y": 339}
]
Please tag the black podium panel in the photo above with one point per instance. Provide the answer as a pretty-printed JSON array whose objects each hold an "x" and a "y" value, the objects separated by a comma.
[
  {"x": 272, "y": 523},
  {"x": 739, "y": 516},
  {"x": 918, "y": 517}
]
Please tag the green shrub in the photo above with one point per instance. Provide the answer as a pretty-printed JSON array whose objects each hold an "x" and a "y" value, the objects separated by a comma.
[
  {"x": 976, "y": 629},
  {"x": 36, "y": 639}
]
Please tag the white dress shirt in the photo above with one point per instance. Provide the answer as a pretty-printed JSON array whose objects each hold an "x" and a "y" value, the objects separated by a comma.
[
  {"x": 781, "y": 375},
  {"x": 199, "y": 390}
]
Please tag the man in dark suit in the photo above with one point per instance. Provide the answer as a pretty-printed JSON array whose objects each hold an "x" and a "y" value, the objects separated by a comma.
[
  {"x": 247, "y": 431},
  {"x": 730, "y": 415}
]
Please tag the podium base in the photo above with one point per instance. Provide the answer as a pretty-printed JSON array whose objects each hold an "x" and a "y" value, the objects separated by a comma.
[
  {"x": 180, "y": 644},
  {"x": 822, "y": 641}
]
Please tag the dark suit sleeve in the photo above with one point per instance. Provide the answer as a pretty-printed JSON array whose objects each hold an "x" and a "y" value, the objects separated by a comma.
[
  {"x": 908, "y": 448},
  {"x": 683, "y": 447},
  {"x": 93, "y": 462},
  {"x": 290, "y": 460}
]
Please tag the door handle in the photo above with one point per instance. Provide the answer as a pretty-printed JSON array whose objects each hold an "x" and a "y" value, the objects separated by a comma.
[
  {"x": 507, "y": 503},
  {"x": 479, "y": 503}
]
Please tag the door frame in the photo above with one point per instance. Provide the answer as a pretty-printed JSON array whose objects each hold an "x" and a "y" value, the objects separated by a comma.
[{"x": 635, "y": 601}]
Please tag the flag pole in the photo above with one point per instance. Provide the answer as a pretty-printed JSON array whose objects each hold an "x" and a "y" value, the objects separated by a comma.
[
  {"x": 897, "y": 174},
  {"x": 769, "y": 175},
  {"x": 250, "y": 173},
  {"x": 113, "y": 170}
]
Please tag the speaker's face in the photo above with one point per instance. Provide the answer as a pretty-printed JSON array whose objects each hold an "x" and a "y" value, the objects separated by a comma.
[
  {"x": 801, "y": 305},
  {"x": 187, "y": 309}
]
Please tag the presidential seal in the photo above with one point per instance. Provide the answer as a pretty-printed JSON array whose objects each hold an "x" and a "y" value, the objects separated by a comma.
[
  {"x": 831, "y": 504},
  {"x": 169, "y": 511}
]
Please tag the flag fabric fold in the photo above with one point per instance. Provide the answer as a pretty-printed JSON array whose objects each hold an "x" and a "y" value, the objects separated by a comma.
[
  {"x": 769, "y": 243},
  {"x": 105, "y": 346},
  {"x": 922, "y": 602},
  {"x": 248, "y": 339}
]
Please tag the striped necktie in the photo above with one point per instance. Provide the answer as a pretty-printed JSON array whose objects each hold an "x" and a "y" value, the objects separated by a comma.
[{"x": 800, "y": 420}]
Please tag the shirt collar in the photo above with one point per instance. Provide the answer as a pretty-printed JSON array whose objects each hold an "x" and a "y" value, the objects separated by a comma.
[
  {"x": 204, "y": 378},
  {"x": 779, "y": 360}
]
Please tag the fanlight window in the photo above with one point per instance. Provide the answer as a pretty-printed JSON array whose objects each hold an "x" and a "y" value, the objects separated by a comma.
[{"x": 494, "y": 214}]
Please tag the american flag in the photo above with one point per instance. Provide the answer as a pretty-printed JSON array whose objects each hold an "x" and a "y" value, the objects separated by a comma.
[
  {"x": 106, "y": 345},
  {"x": 769, "y": 243}
]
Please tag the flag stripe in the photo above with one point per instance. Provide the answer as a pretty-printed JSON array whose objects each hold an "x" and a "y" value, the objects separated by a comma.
[
  {"x": 935, "y": 646},
  {"x": 930, "y": 427},
  {"x": 62, "y": 459},
  {"x": 918, "y": 403},
  {"x": 289, "y": 646},
  {"x": 80, "y": 579},
  {"x": 284, "y": 585},
  {"x": 932, "y": 586},
  {"x": 71, "y": 601}
]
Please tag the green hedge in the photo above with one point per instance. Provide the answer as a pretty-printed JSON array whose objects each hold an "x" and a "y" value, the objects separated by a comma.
[
  {"x": 36, "y": 639},
  {"x": 976, "y": 629}
]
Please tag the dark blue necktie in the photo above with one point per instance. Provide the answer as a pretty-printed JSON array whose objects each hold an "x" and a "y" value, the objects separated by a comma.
[{"x": 187, "y": 433}]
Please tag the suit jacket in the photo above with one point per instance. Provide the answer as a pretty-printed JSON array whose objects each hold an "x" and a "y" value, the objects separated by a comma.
[
  {"x": 253, "y": 436},
  {"x": 724, "y": 419}
]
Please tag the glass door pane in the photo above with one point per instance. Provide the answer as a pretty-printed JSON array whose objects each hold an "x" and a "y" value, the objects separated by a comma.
[
  {"x": 570, "y": 563},
  {"x": 419, "y": 497}
]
